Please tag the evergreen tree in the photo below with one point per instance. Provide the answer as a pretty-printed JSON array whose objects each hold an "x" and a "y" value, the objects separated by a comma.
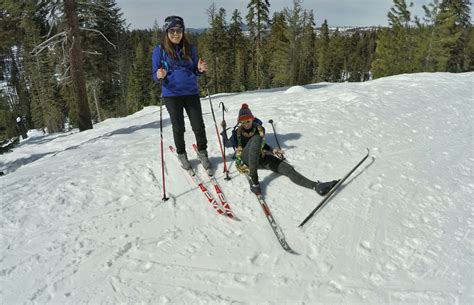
[
  {"x": 395, "y": 46},
  {"x": 301, "y": 38},
  {"x": 357, "y": 57},
  {"x": 372, "y": 47},
  {"x": 7, "y": 122},
  {"x": 135, "y": 68},
  {"x": 399, "y": 15},
  {"x": 238, "y": 50},
  {"x": 337, "y": 62},
  {"x": 294, "y": 31},
  {"x": 308, "y": 39},
  {"x": 385, "y": 62},
  {"x": 277, "y": 46},
  {"x": 460, "y": 9},
  {"x": 454, "y": 18},
  {"x": 48, "y": 105},
  {"x": 15, "y": 89},
  {"x": 323, "y": 51},
  {"x": 103, "y": 29},
  {"x": 15, "y": 85},
  {"x": 34, "y": 77},
  {"x": 370, "y": 38},
  {"x": 432, "y": 36},
  {"x": 138, "y": 80},
  {"x": 257, "y": 21},
  {"x": 469, "y": 51},
  {"x": 218, "y": 46}
]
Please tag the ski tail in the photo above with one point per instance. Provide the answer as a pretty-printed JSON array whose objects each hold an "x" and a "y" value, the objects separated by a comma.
[
  {"x": 220, "y": 193},
  {"x": 275, "y": 227}
]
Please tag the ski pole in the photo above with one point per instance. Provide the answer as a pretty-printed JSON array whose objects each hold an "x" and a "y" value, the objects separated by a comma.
[
  {"x": 226, "y": 171},
  {"x": 224, "y": 109},
  {"x": 276, "y": 138},
  {"x": 162, "y": 155}
]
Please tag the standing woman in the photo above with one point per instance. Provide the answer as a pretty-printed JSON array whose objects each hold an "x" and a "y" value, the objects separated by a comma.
[{"x": 176, "y": 65}]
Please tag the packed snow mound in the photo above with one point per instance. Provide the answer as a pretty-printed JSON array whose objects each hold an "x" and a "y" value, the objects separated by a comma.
[
  {"x": 296, "y": 89},
  {"x": 82, "y": 220}
]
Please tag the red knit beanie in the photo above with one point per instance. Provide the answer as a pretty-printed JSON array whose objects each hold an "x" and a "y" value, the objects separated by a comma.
[{"x": 244, "y": 113}]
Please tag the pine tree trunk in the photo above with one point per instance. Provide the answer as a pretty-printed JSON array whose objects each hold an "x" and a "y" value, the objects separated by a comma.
[{"x": 77, "y": 73}]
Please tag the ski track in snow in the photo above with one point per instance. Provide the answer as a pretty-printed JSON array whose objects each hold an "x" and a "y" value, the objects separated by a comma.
[{"x": 83, "y": 222}]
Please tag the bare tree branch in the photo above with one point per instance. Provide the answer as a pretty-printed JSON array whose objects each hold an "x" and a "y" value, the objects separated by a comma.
[
  {"x": 97, "y": 31},
  {"x": 92, "y": 52},
  {"x": 39, "y": 48}
]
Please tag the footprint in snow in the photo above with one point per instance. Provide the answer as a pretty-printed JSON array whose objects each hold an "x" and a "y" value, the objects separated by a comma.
[
  {"x": 365, "y": 248},
  {"x": 246, "y": 279},
  {"x": 259, "y": 259},
  {"x": 121, "y": 252}
]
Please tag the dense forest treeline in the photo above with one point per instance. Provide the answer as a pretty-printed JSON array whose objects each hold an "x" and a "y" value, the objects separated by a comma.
[{"x": 56, "y": 77}]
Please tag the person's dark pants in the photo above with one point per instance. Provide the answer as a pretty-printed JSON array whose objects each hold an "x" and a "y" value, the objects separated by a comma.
[
  {"x": 192, "y": 105},
  {"x": 252, "y": 157},
  {"x": 22, "y": 130}
]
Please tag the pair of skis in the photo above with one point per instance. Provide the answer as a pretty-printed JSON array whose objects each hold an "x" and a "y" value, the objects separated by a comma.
[
  {"x": 276, "y": 228},
  {"x": 222, "y": 207}
]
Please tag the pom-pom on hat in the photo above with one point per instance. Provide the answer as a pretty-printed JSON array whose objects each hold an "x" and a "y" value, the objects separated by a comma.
[
  {"x": 245, "y": 113},
  {"x": 173, "y": 22}
]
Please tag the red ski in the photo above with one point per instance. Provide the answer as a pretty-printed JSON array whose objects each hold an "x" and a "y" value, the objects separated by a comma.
[
  {"x": 219, "y": 192},
  {"x": 200, "y": 184}
]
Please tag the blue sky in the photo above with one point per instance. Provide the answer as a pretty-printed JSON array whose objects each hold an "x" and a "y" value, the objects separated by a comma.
[{"x": 141, "y": 14}]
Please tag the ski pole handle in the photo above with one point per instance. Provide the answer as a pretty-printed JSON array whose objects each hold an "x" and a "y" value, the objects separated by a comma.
[{"x": 224, "y": 109}]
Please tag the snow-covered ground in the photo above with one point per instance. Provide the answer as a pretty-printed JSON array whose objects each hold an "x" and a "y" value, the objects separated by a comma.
[{"x": 82, "y": 220}]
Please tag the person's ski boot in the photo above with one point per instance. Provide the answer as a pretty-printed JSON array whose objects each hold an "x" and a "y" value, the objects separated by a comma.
[
  {"x": 255, "y": 186},
  {"x": 183, "y": 159},
  {"x": 322, "y": 188},
  {"x": 203, "y": 157}
]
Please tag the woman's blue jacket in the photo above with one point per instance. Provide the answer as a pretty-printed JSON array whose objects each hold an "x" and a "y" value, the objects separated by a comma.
[{"x": 181, "y": 77}]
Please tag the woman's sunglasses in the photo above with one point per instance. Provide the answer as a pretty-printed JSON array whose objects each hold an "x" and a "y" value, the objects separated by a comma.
[
  {"x": 246, "y": 121},
  {"x": 175, "y": 31}
]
